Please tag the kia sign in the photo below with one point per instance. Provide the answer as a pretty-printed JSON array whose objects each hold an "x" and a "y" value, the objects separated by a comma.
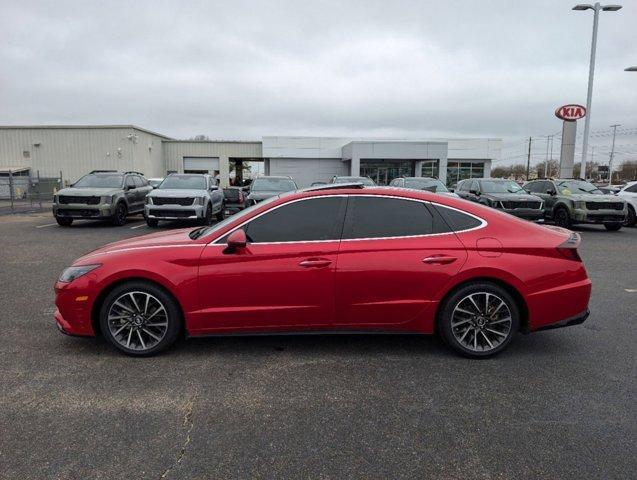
[{"x": 570, "y": 113}]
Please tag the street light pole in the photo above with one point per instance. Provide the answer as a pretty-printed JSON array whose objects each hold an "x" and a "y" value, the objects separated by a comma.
[
  {"x": 591, "y": 72},
  {"x": 612, "y": 154}
]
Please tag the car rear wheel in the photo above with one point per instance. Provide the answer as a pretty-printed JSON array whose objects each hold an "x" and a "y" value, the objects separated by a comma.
[
  {"x": 562, "y": 218},
  {"x": 221, "y": 213},
  {"x": 479, "y": 320},
  {"x": 140, "y": 319},
  {"x": 208, "y": 218},
  {"x": 630, "y": 217},
  {"x": 613, "y": 227},
  {"x": 119, "y": 218},
  {"x": 64, "y": 222}
]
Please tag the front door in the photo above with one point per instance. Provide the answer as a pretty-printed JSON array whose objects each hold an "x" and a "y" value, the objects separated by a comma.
[
  {"x": 283, "y": 279},
  {"x": 391, "y": 264}
]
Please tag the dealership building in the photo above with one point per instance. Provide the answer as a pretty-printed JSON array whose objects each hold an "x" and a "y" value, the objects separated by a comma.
[{"x": 74, "y": 150}]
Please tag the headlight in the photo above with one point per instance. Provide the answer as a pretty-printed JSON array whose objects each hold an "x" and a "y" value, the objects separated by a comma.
[
  {"x": 106, "y": 199},
  {"x": 579, "y": 204},
  {"x": 200, "y": 201},
  {"x": 148, "y": 200},
  {"x": 71, "y": 273}
]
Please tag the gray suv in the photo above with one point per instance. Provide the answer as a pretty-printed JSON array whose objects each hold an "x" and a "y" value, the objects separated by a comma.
[
  {"x": 568, "y": 202},
  {"x": 185, "y": 196},
  {"x": 101, "y": 195}
]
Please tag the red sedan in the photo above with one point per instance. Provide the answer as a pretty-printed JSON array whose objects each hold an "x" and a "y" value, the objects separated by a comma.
[{"x": 333, "y": 259}]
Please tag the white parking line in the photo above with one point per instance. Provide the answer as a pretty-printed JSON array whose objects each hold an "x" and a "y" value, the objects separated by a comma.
[
  {"x": 138, "y": 226},
  {"x": 47, "y": 225}
]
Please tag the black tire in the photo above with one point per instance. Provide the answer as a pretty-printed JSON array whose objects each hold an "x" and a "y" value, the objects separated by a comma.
[
  {"x": 172, "y": 318},
  {"x": 613, "y": 227},
  {"x": 119, "y": 217},
  {"x": 152, "y": 222},
  {"x": 221, "y": 213},
  {"x": 562, "y": 218},
  {"x": 207, "y": 219},
  {"x": 63, "y": 221},
  {"x": 477, "y": 329},
  {"x": 630, "y": 218}
]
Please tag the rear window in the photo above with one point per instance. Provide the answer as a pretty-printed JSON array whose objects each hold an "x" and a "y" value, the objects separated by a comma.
[
  {"x": 457, "y": 220},
  {"x": 382, "y": 217}
]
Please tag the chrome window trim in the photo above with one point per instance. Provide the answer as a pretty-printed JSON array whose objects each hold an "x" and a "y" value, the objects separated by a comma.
[{"x": 483, "y": 222}]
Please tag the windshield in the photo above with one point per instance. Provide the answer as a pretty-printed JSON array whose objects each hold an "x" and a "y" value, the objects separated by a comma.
[
  {"x": 506, "y": 186},
  {"x": 100, "y": 181},
  {"x": 273, "y": 185},
  {"x": 198, "y": 232},
  {"x": 569, "y": 187},
  {"x": 364, "y": 180},
  {"x": 430, "y": 184},
  {"x": 154, "y": 182},
  {"x": 183, "y": 182}
]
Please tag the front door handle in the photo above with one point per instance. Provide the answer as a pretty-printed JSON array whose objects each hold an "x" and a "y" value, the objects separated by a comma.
[
  {"x": 315, "y": 263},
  {"x": 439, "y": 259}
]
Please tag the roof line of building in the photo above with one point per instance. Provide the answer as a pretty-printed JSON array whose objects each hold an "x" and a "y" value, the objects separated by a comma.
[
  {"x": 71, "y": 127},
  {"x": 172, "y": 140}
]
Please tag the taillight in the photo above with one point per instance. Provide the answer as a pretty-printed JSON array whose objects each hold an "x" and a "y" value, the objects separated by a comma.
[{"x": 568, "y": 248}]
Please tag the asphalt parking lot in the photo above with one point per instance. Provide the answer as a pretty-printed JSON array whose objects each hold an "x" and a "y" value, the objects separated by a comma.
[{"x": 556, "y": 404}]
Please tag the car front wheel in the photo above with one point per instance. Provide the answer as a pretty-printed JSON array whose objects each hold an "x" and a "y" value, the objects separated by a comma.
[
  {"x": 64, "y": 222},
  {"x": 140, "y": 319},
  {"x": 119, "y": 218},
  {"x": 562, "y": 218},
  {"x": 479, "y": 320}
]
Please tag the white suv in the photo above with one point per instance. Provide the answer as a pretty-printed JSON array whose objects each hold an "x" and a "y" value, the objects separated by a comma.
[{"x": 629, "y": 193}]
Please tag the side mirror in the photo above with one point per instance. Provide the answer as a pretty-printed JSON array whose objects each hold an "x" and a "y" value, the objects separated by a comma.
[{"x": 236, "y": 241}]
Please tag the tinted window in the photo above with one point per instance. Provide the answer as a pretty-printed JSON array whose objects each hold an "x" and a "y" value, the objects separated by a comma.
[
  {"x": 463, "y": 186},
  {"x": 531, "y": 187},
  {"x": 314, "y": 219},
  {"x": 457, "y": 220},
  {"x": 380, "y": 217},
  {"x": 130, "y": 182},
  {"x": 500, "y": 186},
  {"x": 632, "y": 189},
  {"x": 138, "y": 181},
  {"x": 474, "y": 186}
]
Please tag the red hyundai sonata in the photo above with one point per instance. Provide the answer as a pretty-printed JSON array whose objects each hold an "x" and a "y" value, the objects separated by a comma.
[{"x": 333, "y": 259}]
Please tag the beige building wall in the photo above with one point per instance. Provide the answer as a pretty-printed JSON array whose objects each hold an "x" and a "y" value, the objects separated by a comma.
[{"x": 176, "y": 150}]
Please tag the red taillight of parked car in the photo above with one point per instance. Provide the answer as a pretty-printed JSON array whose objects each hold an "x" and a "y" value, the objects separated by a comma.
[{"x": 568, "y": 248}]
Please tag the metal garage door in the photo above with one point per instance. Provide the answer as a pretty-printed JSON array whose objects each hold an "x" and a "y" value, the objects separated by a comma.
[{"x": 201, "y": 164}]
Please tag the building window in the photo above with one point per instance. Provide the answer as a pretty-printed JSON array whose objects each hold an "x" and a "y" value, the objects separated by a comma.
[
  {"x": 457, "y": 171},
  {"x": 430, "y": 168}
]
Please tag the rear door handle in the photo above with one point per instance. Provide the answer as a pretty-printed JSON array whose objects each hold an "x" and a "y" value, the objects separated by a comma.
[
  {"x": 315, "y": 262},
  {"x": 439, "y": 259}
]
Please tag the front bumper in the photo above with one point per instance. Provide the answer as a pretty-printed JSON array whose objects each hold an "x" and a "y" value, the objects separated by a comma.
[
  {"x": 174, "y": 212},
  {"x": 526, "y": 213},
  {"x": 73, "y": 308},
  {"x": 101, "y": 211},
  {"x": 599, "y": 216}
]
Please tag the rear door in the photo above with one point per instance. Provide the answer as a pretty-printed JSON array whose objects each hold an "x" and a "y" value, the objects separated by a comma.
[
  {"x": 395, "y": 258},
  {"x": 130, "y": 190}
]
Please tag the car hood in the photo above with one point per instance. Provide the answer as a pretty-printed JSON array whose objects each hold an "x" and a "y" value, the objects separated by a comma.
[
  {"x": 512, "y": 196},
  {"x": 262, "y": 195},
  {"x": 170, "y": 238},
  {"x": 88, "y": 192},
  {"x": 591, "y": 197},
  {"x": 179, "y": 192}
]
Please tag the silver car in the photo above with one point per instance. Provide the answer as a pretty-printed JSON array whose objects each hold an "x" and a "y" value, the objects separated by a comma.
[{"x": 185, "y": 197}]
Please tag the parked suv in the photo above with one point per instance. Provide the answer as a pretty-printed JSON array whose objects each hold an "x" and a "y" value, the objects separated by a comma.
[
  {"x": 270, "y": 186},
  {"x": 422, "y": 183},
  {"x": 505, "y": 195},
  {"x": 185, "y": 196},
  {"x": 629, "y": 193},
  {"x": 101, "y": 195},
  {"x": 569, "y": 202}
]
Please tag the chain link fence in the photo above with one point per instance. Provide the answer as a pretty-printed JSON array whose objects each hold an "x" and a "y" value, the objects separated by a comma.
[{"x": 22, "y": 192}]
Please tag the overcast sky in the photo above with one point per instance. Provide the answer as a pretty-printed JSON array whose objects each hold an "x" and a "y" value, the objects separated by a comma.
[{"x": 242, "y": 70}]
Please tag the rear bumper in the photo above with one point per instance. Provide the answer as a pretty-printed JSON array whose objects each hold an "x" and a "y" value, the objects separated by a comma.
[
  {"x": 567, "y": 322},
  {"x": 559, "y": 306}
]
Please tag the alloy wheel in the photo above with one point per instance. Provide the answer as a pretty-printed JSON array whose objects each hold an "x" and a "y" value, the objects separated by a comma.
[
  {"x": 137, "y": 320},
  {"x": 481, "y": 321}
]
